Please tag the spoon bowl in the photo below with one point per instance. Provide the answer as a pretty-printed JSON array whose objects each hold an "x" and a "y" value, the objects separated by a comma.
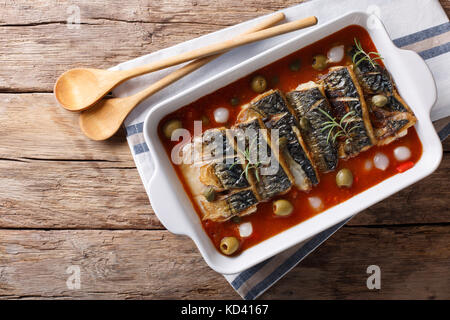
[
  {"x": 104, "y": 118},
  {"x": 78, "y": 89}
]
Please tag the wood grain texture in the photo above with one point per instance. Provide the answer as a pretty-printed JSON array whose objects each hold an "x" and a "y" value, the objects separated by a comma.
[
  {"x": 414, "y": 263},
  {"x": 53, "y": 179},
  {"x": 140, "y": 27},
  {"x": 141, "y": 265},
  {"x": 73, "y": 195},
  {"x": 37, "y": 127}
]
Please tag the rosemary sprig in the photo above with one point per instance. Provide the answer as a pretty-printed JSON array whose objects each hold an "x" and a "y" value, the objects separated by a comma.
[
  {"x": 364, "y": 56},
  {"x": 338, "y": 129},
  {"x": 249, "y": 165}
]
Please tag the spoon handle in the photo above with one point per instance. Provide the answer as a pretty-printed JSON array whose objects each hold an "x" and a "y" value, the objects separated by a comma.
[
  {"x": 196, "y": 64},
  {"x": 104, "y": 118},
  {"x": 220, "y": 47}
]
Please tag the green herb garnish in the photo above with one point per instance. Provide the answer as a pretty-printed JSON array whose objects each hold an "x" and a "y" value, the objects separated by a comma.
[
  {"x": 338, "y": 129},
  {"x": 360, "y": 55},
  {"x": 249, "y": 165}
]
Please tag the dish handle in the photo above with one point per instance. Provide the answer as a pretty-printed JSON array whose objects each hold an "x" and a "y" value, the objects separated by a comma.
[
  {"x": 165, "y": 204},
  {"x": 426, "y": 91}
]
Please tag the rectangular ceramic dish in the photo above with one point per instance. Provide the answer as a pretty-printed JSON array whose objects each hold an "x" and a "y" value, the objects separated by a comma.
[{"x": 174, "y": 208}]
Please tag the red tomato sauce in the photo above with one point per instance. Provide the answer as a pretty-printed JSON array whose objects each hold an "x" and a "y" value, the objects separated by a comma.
[{"x": 279, "y": 76}]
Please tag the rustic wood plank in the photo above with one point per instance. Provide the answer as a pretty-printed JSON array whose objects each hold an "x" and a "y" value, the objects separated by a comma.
[
  {"x": 73, "y": 195},
  {"x": 222, "y": 13},
  {"x": 446, "y": 5},
  {"x": 156, "y": 264},
  {"x": 106, "y": 36},
  {"x": 34, "y": 126},
  {"x": 414, "y": 264}
]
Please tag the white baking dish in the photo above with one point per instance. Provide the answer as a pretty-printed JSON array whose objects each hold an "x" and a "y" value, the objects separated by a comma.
[{"x": 174, "y": 208}]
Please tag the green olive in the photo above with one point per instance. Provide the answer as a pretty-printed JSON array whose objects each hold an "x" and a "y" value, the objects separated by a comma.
[
  {"x": 210, "y": 194},
  {"x": 282, "y": 207},
  {"x": 295, "y": 65},
  {"x": 229, "y": 245},
  {"x": 234, "y": 101},
  {"x": 170, "y": 126},
  {"x": 379, "y": 100},
  {"x": 259, "y": 84},
  {"x": 344, "y": 178},
  {"x": 319, "y": 62},
  {"x": 304, "y": 123}
]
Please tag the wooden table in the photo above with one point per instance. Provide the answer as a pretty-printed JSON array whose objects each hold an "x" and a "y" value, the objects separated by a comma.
[{"x": 68, "y": 201}]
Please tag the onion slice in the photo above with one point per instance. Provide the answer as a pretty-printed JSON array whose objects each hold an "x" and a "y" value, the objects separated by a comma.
[
  {"x": 315, "y": 202},
  {"x": 381, "y": 161},
  {"x": 221, "y": 115},
  {"x": 245, "y": 229},
  {"x": 335, "y": 54},
  {"x": 402, "y": 153}
]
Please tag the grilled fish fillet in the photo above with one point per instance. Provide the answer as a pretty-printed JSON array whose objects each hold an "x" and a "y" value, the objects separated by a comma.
[
  {"x": 393, "y": 119},
  {"x": 266, "y": 170},
  {"x": 224, "y": 175},
  {"x": 309, "y": 104},
  {"x": 345, "y": 95},
  {"x": 238, "y": 203},
  {"x": 276, "y": 114},
  {"x": 265, "y": 105},
  {"x": 294, "y": 150}
]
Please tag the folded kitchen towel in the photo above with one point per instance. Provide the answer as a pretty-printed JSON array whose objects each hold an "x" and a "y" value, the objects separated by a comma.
[{"x": 419, "y": 25}]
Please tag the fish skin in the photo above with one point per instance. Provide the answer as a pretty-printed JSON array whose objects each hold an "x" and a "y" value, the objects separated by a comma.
[
  {"x": 393, "y": 119},
  {"x": 241, "y": 200},
  {"x": 223, "y": 175},
  {"x": 374, "y": 79},
  {"x": 266, "y": 185},
  {"x": 345, "y": 95},
  {"x": 231, "y": 175},
  {"x": 216, "y": 145},
  {"x": 395, "y": 105},
  {"x": 269, "y": 103},
  {"x": 270, "y": 106},
  {"x": 286, "y": 123},
  {"x": 236, "y": 203},
  {"x": 306, "y": 101}
]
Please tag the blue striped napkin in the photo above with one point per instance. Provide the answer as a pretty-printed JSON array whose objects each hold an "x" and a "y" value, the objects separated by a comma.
[{"x": 419, "y": 25}]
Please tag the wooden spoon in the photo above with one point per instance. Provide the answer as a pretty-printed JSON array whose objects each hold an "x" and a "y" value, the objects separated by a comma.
[
  {"x": 106, "y": 116},
  {"x": 104, "y": 119},
  {"x": 78, "y": 89}
]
